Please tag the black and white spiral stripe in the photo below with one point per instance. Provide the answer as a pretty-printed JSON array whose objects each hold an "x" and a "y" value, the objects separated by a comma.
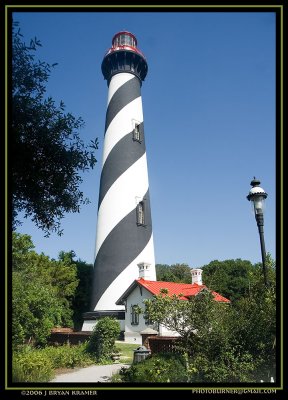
[{"x": 120, "y": 242}]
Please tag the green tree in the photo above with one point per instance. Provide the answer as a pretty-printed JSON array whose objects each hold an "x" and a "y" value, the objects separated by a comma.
[
  {"x": 182, "y": 273},
  {"x": 192, "y": 319},
  {"x": 173, "y": 273},
  {"x": 102, "y": 340},
  {"x": 165, "y": 367},
  {"x": 257, "y": 273},
  {"x": 254, "y": 320},
  {"x": 42, "y": 291},
  {"x": 35, "y": 309},
  {"x": 81, "y": 300},
  {"x": 48, "y": 153},
  {"x": 231, "y": 278},
  {"x": 225, "y": 343},
  {"x": 204, "y": 326},
  {"x": 21, "y": 247},
  {"x": 164, "y": 273}
]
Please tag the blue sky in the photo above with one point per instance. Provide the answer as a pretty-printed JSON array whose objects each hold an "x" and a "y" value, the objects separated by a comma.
[{"x": 209, "y": 114}]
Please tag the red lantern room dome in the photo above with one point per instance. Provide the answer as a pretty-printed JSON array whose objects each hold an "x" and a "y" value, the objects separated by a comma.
[{"x": 124, "y": 40}]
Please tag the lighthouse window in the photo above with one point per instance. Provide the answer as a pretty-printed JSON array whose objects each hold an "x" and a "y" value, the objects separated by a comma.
[
  {"x": 134, "y": 314},
  {"x": 140, "y": 214},
  {"x": 137, "y": 133}
]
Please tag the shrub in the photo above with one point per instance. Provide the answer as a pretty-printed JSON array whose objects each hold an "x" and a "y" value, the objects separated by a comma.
[
  {"x": 158, "y": 368},
  {"x": 67, "y": 356},
  {"x": 102, "y": 340},
  {"x": 230, "y": 367},
  {"x": 37, "y": 365},
  {"x": 31, "y": 365}
]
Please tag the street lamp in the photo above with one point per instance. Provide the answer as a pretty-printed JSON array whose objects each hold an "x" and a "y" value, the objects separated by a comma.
[{"x": 257, "y": 195}]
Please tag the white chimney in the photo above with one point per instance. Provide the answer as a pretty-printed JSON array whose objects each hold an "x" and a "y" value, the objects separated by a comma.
[
  {"x": 196, "y": 276},
  {"x": 144, "y": 271}
]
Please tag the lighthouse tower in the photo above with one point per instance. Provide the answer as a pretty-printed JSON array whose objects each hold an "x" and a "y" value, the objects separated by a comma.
[{"x": 124, "y": 229}]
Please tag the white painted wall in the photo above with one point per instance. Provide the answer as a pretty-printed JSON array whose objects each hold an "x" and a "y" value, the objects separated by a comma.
[
  {"x": 88, "y": 325},
  {"x": 166, "y": 332},
  {"x": 132, "y": 332}
]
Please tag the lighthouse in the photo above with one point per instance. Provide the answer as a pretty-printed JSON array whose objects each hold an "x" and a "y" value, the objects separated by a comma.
[{"x": 124, "y": 235}]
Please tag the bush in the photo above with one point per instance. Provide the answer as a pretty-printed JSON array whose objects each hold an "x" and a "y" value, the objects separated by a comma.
[
  {"x": 102, "y": 340},
  {"x": 158, "y": 368},
  {"x": 31, "y": 365},
  {"x": 67, "y": 356},
  {"x": 37, "y": 365},
  {"x": 229, "y": 368}
]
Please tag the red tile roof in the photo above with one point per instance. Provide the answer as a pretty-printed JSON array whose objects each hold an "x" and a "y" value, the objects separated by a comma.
[{"x": 186, "y": 289}]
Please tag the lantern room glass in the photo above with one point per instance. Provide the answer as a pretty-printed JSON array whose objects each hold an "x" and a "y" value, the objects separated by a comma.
[{"x": 123, "y": 39}]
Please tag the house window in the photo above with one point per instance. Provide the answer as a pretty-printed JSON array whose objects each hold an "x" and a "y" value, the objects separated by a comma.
[
  {"x": 134, "y": 314},
  {"x": 149, "y": 321},
  {"x": 140, "y": 213},
  {"x": 137, "y": 133}
]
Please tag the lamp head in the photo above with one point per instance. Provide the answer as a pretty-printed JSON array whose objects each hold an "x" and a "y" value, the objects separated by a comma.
[{"x": 257, "y": 196}]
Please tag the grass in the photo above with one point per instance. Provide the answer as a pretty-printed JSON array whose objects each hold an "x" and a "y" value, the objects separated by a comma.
[{"x": 127, "y": 351}]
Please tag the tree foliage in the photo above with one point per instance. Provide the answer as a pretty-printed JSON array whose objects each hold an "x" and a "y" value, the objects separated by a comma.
[
  {"x": 235, "y": 279},
  {"x": 165, "y": 367},
  {"x": 35, "y": 309},
  {"x": 45, "y": 144},
  {"x": 254, "y": 319},
  {"x": 193, "y": 319},
  {"x": 173, "y": 273},
  {"x": 231, "y": 278},
  {"x": 42, "y": 291},
  {"x": 81, "y": 300},
  {"x": 102, "y": 340},
  {"x": 224, "y": 343}
]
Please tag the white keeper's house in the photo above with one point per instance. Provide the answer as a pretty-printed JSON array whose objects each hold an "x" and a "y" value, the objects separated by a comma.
[{"x": 143, "y": 288}]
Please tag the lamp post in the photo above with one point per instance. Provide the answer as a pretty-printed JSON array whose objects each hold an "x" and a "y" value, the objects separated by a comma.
[{"x": 257, "y": 196}]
